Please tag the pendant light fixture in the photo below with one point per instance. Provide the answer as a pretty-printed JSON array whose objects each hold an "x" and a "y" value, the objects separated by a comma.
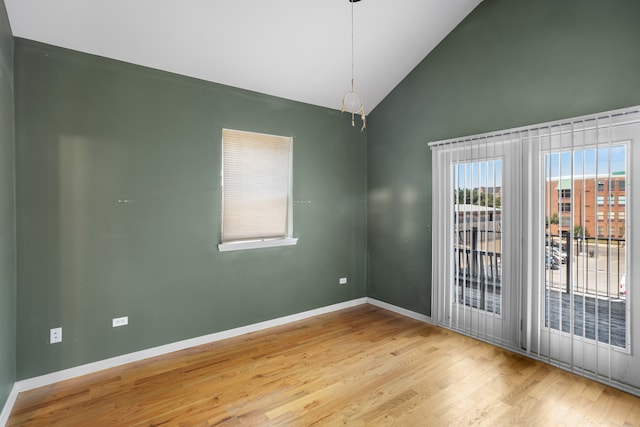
[{"x": 352, "y": 103}]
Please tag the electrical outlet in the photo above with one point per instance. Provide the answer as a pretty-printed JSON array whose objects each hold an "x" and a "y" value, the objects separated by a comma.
[
  {"x": 55, "y": 335},
  {"x": 120, "y": 321},
  {"x": 343, "y": 281}
]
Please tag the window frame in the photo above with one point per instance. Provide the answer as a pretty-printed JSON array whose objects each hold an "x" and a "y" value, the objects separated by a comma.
[
  {"x": 259, "y": 243},
  {"x": 564, "y": 207}
]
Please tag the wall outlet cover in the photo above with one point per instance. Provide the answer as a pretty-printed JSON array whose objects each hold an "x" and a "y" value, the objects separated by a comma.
[
  {"x": 120, "y": 321},
  {"x": 55, "y": 335}
]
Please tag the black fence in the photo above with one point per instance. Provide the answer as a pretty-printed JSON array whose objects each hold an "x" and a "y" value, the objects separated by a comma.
[{"x": 590, "y": 254}]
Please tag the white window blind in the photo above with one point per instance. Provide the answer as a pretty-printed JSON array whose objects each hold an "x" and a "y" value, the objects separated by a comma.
[{"x": 256, "y": 180}]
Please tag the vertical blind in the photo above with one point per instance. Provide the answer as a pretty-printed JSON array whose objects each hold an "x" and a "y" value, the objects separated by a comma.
[
  {"x": 256, "y": 183},
  {"x": 534, "y": 248},
  {"x": 474, "y": 251}
]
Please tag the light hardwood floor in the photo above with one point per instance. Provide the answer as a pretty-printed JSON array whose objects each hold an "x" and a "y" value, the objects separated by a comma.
[{"x": 360, "y": 366}]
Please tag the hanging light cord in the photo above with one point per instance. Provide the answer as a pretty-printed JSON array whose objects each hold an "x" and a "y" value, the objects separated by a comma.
[
  {"x": 352, "y": 55},
  {"x": 353, "y": 94}
]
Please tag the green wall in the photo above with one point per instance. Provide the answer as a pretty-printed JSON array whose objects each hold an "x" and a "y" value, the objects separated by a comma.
[
  {"x": 92, "y": 133},
  {"x": 509, "y": 63},
  {"x": 7, "y": 219}
]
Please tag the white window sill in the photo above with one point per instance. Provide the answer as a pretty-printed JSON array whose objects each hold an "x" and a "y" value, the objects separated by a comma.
[{"x": 256, "y": 244}]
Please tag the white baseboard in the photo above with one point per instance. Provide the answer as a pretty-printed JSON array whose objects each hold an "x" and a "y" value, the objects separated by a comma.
[
  {"x": 113, "y": 362},
  {"x": 8, "y": 406},
  {"x": 400, "y": 310}
]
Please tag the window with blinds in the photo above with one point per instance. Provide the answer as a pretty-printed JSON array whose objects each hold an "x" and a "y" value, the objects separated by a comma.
[{"x": 256, "y": 190}]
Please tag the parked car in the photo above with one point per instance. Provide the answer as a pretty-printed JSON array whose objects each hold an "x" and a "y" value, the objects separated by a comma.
[
  {"x": 554, "y": 243},
  {"x": 560, "y": 254},
  {"x": 551, "y": 261},
  {"x": 623, "y": 286}
]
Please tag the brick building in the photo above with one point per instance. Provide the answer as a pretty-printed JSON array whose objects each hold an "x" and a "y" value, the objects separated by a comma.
[{"x": 596, "y": 203}]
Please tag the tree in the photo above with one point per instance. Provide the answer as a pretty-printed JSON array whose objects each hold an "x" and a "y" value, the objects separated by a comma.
[
  {"x": 474, "y": 197},
  {"x": 578, "y": 231},
  {"x": 462, "y": 196}
]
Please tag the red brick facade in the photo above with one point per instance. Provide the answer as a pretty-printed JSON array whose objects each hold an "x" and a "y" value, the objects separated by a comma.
[{"x": 598, "y": 204}]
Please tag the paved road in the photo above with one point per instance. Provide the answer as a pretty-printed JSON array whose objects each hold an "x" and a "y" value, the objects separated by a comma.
[{"x": 596, "y": 274}]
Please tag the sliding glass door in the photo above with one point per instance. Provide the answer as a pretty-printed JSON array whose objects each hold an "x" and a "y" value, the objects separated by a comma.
[
  {"x": 534, "y": 244},
  {"x": 586, "y": 197},
  {"x": 478, "y": 203}
]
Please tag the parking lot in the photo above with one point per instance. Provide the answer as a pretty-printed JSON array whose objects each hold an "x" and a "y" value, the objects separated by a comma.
[{"x": 597, "y": 270}]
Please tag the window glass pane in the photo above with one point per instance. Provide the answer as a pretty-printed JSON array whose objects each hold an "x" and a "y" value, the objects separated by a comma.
[
  {"x": 565, "y": 207},
  {"x": 584, "y": 254},
  {"x": 478, "y": 234}
]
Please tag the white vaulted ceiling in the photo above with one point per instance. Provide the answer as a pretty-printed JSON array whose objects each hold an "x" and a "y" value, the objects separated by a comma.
[{"x": 294, "y": 49}]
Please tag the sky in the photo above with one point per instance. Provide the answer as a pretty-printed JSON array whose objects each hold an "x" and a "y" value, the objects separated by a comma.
[
  {"x": 609, "y": 160},
  {"x": 488, "y": 173}
]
